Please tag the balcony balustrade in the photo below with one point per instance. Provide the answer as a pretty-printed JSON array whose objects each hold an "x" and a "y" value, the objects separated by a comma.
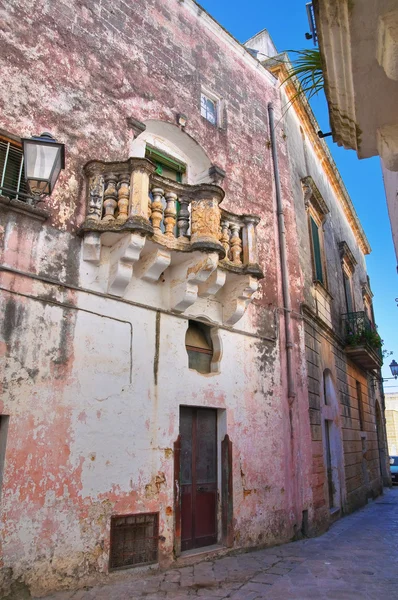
[
  {"x": 149, "y": 220},
  {"x": 363, "y": 343}
]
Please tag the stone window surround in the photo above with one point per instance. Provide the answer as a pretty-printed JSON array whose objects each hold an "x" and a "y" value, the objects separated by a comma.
[
  {"x": 348, "y": 263},
  {"x": 317, "y": 209},
  {"x": 367, "y": 296},
  {"x": 219, "y": 104}
]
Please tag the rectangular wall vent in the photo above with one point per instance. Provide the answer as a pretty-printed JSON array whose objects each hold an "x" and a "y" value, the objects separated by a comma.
[{"x": 134, "y": 540}]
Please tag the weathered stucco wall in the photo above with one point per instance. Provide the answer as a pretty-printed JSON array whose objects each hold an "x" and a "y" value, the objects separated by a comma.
[{"x": 92, "y": 393}]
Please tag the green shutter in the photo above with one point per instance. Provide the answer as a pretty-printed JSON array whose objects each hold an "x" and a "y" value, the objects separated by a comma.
[{"x": 316, "y": 244}]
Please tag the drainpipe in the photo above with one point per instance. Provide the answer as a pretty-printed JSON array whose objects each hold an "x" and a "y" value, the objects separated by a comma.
[{"x": 287, "y": 307}]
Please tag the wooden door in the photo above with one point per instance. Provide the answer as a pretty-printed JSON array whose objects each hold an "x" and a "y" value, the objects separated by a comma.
[{"x": 198, "y": 477}]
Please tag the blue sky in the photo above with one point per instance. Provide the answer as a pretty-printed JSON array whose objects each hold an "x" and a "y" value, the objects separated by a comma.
[{"x": 287, "y": 24}]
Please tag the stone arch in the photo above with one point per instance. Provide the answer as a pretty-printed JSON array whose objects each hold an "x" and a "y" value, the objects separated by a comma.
[
  {"x": 332, "y": 443},
  {"x": 171, "y": 139}
]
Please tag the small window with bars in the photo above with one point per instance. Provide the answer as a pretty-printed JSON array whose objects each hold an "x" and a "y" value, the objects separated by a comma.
[
  {"x": 134, "y": 540},
  {"x": 12, "y": 180}
]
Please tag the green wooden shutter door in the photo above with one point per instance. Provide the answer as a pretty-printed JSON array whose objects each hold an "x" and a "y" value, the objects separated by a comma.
[{"x": 317, "y": 251}]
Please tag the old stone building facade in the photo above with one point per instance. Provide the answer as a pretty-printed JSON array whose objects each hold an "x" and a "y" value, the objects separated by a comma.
[{"x": 175, "y": 365}]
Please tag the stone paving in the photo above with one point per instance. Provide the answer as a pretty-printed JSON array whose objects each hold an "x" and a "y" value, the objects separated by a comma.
[{"x": 356, "y": 559}]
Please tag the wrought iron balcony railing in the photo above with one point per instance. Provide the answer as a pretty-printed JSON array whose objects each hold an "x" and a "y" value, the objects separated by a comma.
[{"x": 361, "y": 333}]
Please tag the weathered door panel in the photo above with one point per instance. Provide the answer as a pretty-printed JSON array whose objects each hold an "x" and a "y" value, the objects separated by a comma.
[{"x": 198, "y": 477}]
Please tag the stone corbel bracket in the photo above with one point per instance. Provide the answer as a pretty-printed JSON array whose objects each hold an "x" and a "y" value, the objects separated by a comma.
[
  {"x": 124, "y": 254},
  {"x": 236, "y": 295},
  {"x": 187, "y": 277}
]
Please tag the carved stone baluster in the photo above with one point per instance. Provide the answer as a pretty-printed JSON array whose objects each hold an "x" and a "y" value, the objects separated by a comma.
[
  {"x": 183, "y": 218},
  {"x": 110, "y": 196},
  {"x": 157, "y": 209},
  {"x": 123, "y": 196},
  {"x": 236, "y": 244},
  {"x": 96, "y": 196},
  {"x": 149, "y": 207},
  {"x": 225, "y": 237},
  {"x": 170, "y": 213}
]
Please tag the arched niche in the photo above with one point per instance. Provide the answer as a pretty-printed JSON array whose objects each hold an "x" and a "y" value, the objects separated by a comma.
[{"x": 173, "y": 141}]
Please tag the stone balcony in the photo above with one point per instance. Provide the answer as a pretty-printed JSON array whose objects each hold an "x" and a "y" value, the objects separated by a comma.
[
  {"x": 363, "y": 344},
  {"x": 153, "y": 225}
]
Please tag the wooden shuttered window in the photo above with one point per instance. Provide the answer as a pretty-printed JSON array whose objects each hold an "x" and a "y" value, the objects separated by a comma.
[
  {"x": 316, "y": 246},
  {"x": 12, "y": 181}
]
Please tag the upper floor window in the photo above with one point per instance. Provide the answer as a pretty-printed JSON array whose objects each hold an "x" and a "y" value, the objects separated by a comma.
[
  {"x": 166, "y": 165},
  {"x": 367, "y": 296},
  {"x": 211, "y": 108},
  {"x": 12, "y": 181},
  {"x": 317, "y": 250},
  {"x": 317, "y": 211},
  {"x": 348, "y": 263}
]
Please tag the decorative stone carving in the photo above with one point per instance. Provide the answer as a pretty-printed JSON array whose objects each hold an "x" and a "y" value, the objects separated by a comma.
[
  {"x": 313, "y": 197},
  {"x": 123, "y": 255},
  {"x": 124, "y": 217},
  {"x": 205, "y": 219},
  {"x": 236, "y": 295},
  {"x": 96, "y": 195},
  {"x": 186, "y": 278}
]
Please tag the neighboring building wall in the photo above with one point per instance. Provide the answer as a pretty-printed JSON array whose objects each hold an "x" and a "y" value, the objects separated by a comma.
[
  {"x": 391, "y": 186},
  {"x": 391, "y": 401},
  {"x": 355, "y": 456}
]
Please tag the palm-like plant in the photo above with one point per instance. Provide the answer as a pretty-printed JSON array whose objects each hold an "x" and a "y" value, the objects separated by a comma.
[{"x": 307, "y": 69}]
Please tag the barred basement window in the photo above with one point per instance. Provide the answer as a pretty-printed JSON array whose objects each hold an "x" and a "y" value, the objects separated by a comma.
[
  {"x": 134, "y": 540},
  {"x": 12, "y": 181}
]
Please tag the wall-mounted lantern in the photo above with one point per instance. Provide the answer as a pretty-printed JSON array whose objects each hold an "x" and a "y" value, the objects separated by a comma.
[
  {"x": 44, "y": 158},
  {"x": 394, "y": 369}
]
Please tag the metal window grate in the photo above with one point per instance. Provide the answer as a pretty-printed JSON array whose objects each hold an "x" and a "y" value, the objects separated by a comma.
[
  {"x": 12, "y": 182},
  {"x": 134, "y": 540}
]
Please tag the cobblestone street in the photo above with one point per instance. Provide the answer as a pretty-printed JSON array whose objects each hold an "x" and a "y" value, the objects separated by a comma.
[{"x": 357, "y": 558}]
